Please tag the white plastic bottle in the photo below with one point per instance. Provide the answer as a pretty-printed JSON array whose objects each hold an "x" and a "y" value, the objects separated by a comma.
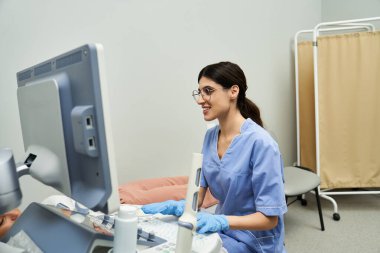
[{"x": 125, "y": 236}]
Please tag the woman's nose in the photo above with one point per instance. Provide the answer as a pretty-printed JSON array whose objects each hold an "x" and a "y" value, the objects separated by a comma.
[{"x": 200, "y": 100}]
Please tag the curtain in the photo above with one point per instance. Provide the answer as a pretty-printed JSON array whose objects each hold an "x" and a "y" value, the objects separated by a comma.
[
  {"x": 306, "y": 105},
  {"x": 349, "y": 111}
]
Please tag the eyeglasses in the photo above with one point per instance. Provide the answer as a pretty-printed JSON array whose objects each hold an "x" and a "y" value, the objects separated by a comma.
[{"x": 205, "y": 93}]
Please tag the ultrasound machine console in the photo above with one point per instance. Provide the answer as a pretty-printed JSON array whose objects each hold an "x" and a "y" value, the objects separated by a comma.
[{"x": 65, "y": 120}]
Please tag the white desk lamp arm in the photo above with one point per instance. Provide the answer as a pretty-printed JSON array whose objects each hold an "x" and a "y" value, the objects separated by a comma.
[
  {"x": 10, "y": 193},
  {"x": 45, "y": 169}
]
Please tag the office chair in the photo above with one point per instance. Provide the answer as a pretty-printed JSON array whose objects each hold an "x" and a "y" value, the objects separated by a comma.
[{"x": 300, "y": 180}]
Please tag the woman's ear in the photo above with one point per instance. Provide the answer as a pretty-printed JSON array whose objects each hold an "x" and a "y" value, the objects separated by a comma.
[{"x": 234, "y": 91}]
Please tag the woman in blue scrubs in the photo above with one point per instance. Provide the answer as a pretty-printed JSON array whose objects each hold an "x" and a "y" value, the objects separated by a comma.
[{"x": 242, "y": 167}]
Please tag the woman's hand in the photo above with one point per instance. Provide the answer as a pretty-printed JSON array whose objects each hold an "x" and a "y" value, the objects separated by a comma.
[
  {"x": 169, "y": 207},
  {"x": 210, "y": 223}
]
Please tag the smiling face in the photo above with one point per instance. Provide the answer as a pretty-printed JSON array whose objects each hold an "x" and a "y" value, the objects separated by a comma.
[
  {"x": 215, "y": 100},
  {"x": 7, "y": 220}
]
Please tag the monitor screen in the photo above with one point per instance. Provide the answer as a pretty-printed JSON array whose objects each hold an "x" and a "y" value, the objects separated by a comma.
[{"x": 65, "y": 121}]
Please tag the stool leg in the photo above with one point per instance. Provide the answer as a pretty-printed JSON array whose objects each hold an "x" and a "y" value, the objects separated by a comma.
[{"x": 319, "y": 208}]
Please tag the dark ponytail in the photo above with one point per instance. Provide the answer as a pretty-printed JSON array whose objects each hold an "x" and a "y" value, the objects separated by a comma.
[
  {"x": 248, "y": 109},
  {"x": 228, "y": 74}
]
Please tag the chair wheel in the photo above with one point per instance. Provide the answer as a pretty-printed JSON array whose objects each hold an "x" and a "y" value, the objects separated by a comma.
[
  {"x": 336, "y": 216},
  {"x": 304, "y": 202}
]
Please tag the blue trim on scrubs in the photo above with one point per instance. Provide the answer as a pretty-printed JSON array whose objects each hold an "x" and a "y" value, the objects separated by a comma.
[{"x": 248, "y": 178}]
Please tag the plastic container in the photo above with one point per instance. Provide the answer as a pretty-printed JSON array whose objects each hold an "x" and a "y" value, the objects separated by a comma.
[{"x": 125, "y": 236}]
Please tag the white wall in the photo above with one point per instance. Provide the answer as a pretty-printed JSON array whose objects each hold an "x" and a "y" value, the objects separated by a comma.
[
  {"x": 154, "y": 51},
  {"x": 333, "y": 10}
]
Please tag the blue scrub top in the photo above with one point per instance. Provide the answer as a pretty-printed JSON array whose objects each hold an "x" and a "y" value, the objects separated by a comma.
[{"x": 249, "y": 178}]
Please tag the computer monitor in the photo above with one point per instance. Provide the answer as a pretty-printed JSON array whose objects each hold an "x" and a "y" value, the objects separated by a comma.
[{"x": 65, "y": 121}]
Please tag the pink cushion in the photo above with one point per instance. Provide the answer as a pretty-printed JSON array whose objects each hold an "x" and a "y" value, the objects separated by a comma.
[{"x": 148, "y": 191}]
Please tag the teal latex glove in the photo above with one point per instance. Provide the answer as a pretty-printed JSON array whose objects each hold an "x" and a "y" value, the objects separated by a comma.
[
  {"x": 208, "y": 223},
  {"x": 169, "y": 207}
]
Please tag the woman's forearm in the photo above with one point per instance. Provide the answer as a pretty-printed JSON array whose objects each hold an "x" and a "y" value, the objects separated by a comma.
[{"x": 255, "y": 221}]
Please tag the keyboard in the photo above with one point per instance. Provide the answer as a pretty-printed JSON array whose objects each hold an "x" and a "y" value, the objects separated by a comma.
[{"x": 166, "y": 228}]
